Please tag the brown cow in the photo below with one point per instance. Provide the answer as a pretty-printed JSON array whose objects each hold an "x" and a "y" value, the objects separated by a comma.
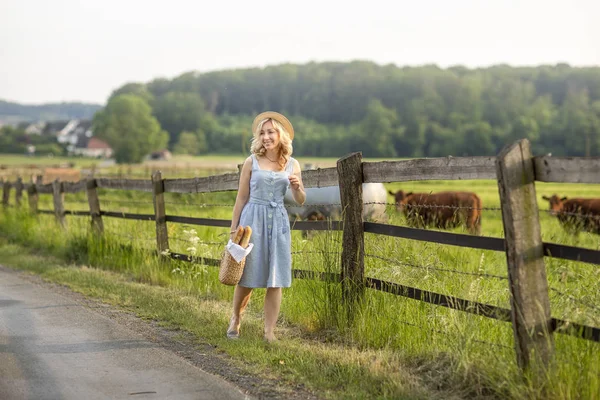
[
  {"x": 444, "y": 210},
  {"x": 576, "y": 214}
]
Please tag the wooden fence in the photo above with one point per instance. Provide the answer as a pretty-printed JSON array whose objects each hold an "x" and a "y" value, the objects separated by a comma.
[{"x": 515, "y": 170}]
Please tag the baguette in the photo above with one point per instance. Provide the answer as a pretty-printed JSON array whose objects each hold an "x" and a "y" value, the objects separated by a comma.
[
  {"x": 246, "y": 237},
  {"x": 239, "y": 232}
]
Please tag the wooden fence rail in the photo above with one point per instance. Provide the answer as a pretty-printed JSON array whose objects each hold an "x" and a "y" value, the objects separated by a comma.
[{"x": 515, "y": 169}]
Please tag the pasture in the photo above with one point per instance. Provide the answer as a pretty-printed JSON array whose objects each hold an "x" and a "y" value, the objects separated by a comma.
[{"x": 471, "y": 352}]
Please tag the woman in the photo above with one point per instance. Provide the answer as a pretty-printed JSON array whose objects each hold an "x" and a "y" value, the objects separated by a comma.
[{"x": 265, "y": 177}]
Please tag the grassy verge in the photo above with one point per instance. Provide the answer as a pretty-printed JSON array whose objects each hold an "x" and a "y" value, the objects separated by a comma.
[{"x": 334, "y": 371}]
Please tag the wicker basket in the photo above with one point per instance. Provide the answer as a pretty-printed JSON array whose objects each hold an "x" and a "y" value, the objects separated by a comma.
[{"x": 230, "y": 271}]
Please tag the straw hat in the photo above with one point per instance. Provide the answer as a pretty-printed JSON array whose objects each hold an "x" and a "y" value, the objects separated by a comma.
[{"x": 287, "y": 125}]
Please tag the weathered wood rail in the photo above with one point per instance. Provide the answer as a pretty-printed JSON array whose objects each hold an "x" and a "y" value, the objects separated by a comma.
[{"x": 515, "y": 170}]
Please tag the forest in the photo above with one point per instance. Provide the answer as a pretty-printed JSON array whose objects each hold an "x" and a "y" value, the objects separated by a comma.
[{"x": 381, "y": 110}]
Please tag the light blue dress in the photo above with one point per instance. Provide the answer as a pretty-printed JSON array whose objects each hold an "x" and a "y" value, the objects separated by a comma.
[{"x": 269, "y": 264}]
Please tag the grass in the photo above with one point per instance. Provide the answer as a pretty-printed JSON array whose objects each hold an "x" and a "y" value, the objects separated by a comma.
[
  {"x": 17, "y": 160},
  {"x": 332, "y": 369},
  {"x": 394, "y": 347}
]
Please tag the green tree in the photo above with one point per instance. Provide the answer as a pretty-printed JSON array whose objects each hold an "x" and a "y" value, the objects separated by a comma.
[
  {"x": 525, "y": 127},
  {"x": 442, "y": 141},
  {"x": 192, "y": 143},
  {"x": 186, "y": 144},
  {"x": 127, "y": 125},
  {"x": 577, "y": 120},
  {"x": 178, "y": 112},
  {"x": 139, "y": 89},
  {"x": 477, "y": 140},
  {"x": 379, "y": 130}
]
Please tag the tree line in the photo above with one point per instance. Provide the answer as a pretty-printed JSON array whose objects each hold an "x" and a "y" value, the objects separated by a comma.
[
  {"x": 381, "y": 110},
  {"x": 15, "y": 112}
]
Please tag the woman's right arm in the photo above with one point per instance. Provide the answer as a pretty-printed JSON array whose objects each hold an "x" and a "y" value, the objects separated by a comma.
[{"x": 242, "y": 195}]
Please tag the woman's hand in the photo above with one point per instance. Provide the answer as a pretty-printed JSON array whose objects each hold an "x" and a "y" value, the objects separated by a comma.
[{"x": 294, "y": 182}]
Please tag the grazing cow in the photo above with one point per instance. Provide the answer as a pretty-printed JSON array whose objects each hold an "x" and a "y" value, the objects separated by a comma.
[
  {"x": 577, "y": 214},
  {"x": 312, "y": 216},
  {"x": 445, "y": 210}
]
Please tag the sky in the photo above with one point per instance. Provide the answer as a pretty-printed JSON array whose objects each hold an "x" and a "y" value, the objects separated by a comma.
[{"x": 81, "y": 50}]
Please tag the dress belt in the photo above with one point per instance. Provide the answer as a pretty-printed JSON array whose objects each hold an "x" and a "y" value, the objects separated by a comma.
[{"x": 273, "y": 204}]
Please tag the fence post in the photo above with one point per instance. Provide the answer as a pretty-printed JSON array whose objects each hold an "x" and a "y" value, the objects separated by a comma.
[
  {"x": 353, "y": 241},
  {"x": 58, "y": 198},
  {"x": 530, "y": 303},
  {"x": 162, "y": 235},
  {"x": 18, "y": 191},
  {"x": 94, "y": 203},
  {"x": 32, "y": 197},
  {"x": 5, "y": 192}
]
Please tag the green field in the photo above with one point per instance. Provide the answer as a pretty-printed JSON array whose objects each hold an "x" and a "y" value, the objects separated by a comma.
[
  {"x": 15, "y": 160},
  {"x": 469, "y": 356},
  {"x": 180, "y": 166}
]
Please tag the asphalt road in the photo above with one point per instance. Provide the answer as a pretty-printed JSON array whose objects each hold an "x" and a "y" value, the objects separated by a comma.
[{"x": 54, "y": 348}]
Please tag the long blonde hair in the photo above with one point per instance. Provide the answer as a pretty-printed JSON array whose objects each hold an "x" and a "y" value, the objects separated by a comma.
[{"x": 285, "y": 143}]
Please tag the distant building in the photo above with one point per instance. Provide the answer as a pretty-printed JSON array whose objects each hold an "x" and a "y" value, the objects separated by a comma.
[
  {"x": 53, "y": 128},
  {"x": 34, "y": 128},
  {"x": 92, "y": 147},
  {"x": 160, "y": 155},
  {"x": 70, "y": 133},
  {"x": 76, "y": 135}
]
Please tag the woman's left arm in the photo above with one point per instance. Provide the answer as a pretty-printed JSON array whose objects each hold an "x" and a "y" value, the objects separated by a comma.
[{"x": 297, "y": 186}]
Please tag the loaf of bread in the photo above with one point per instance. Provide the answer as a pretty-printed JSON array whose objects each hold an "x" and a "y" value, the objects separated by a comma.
[
  {"x": 239, "y": 232},
  {"x": 246, "y": 237}
]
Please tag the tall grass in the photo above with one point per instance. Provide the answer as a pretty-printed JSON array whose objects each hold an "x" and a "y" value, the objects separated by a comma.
[{"x": 469, "y": 355}]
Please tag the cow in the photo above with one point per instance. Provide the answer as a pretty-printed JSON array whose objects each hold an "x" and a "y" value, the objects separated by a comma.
[
  {"x": 314, "y": 215},
  {"x": 578, "y": 214},
  {"x": 325, "y": 203},
  {"x": 445, "y": 210}
]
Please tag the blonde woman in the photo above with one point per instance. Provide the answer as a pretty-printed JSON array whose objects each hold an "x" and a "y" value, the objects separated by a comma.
[{"x": 265, "y": 177}]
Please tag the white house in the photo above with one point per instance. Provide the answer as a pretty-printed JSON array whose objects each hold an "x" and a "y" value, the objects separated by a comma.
[{"x": 71, "y": 131}]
